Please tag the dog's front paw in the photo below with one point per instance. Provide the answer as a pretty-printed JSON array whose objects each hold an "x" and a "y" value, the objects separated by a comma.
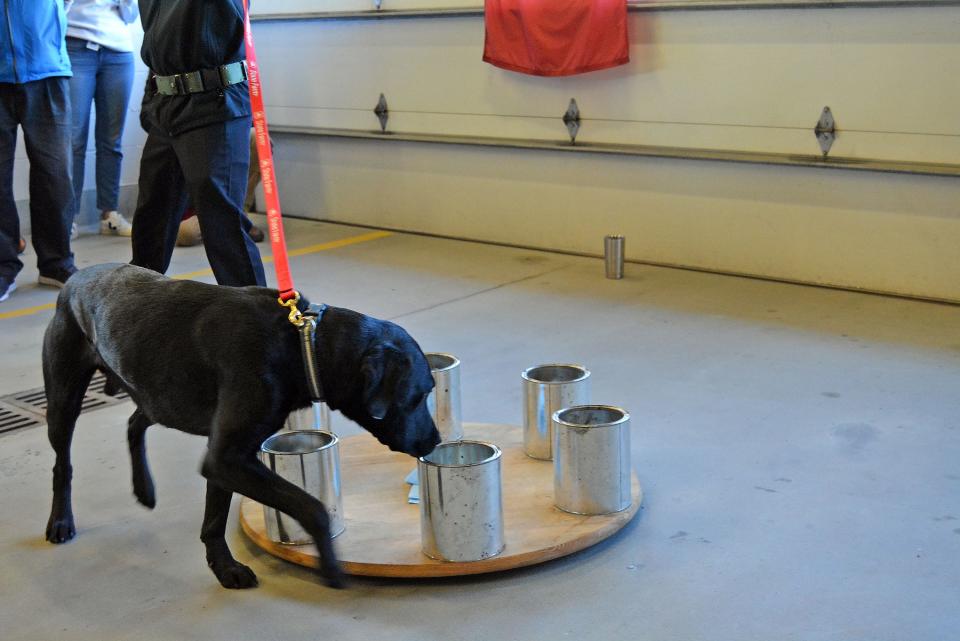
[
  {"x": 60, "y": 529},
  {"x": 234, "y": 575},
  {"x": 333, "y": 575}
]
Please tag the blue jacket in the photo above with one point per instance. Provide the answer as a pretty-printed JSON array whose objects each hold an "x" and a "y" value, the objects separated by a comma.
[{"x": 32, "y": 40}]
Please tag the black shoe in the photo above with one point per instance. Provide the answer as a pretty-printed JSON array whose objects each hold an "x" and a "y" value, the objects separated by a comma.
[
  {"x": 6, "y": 287},
  {"x": 57, "y": 278},
  {"x": 256, "y": 234}
]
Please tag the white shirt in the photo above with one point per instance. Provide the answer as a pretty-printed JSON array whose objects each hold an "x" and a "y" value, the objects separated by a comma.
[{"x": 103, "y": 22}]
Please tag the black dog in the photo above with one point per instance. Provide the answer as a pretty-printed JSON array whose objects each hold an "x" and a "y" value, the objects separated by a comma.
[{"x": 225, "y": 363}]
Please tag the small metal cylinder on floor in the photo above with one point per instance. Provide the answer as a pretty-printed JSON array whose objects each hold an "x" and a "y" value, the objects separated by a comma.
[
  {"x": 315, "y": 417},
  {"x": 613, "y": 256},
  {"x": 546, "y": 389},
  {"x": 591, "y": 459},
  {"x": 461, "y": 508},
  {"x": 444, "y": 401},
  {"x": 310, "y": 460}
]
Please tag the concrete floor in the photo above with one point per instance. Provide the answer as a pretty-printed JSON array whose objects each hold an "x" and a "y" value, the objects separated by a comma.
[{"x": 799, "y": 449}]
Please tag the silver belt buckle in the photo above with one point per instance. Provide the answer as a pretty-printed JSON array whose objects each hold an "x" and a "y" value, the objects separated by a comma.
[
  {"x": 193, "y": 82},
  {"x": 169, "y": 85},
  {"x": 227, "y": 76}
]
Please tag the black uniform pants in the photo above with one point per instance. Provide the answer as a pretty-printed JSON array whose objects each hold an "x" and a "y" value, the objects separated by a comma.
[{"x": 210, "y": 165}]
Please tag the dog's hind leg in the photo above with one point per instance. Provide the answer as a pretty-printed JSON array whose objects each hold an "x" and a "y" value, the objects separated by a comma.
[
  {"x": 68, "y": 365},
  {"x": 137, "y": 440},
  {"x": 230, "y": 572}
]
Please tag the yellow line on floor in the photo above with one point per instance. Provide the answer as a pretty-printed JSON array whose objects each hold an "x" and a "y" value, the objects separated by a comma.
[
  {"x": 26, "y": 311},
  {"x": 311, "y": 249},
  {"x": 303, "y": 251},
  {"x": 335, "y": 244}
]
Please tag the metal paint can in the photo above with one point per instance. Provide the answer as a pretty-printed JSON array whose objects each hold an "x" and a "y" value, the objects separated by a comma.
[
  {"x": 461, "y": 509},
  {"x": 613, "y": 255},
  {"x": 444, "y": 401},
  {"x": 315, "y": 417},
  {"x": 591, "y": 459},
  {"x": 310, "y": 459},
  {"x": 546, "y": 389}
]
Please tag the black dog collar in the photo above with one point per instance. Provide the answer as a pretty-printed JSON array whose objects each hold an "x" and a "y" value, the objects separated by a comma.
[{"x": 312, "y": 317}]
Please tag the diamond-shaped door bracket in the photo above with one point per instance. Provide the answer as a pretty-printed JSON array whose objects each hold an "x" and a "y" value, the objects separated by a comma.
[
  {"x": 383, "y": 113},
  {"x": 572, "y": 120},
  {"x": 826, "y": 131}
]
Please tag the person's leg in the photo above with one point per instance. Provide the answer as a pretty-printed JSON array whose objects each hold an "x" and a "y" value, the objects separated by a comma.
[
  {"x": 253, "y": 179},
  {"x": 253, "y": 175},
  {"x": 114, "y": 83},
  {"x": 46, "y": 123},
  {"x": 160, "y": 204},
  {"x": 10, "y": 265},
  {"x": 214, "y": 160},
  {"x": 189, "y": 233},
  {"x": 84, "y": 64}
]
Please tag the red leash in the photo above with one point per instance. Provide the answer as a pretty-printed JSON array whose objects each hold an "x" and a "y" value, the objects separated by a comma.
[
  {"x": 274, "y": 221},
  {"x": 306, "y": 323}
]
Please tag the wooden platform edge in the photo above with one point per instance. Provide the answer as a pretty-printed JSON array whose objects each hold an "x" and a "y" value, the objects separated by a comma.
[{"x": 305, "y": 555}]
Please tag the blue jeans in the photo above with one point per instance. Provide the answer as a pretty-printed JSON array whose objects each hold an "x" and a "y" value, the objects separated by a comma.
[
  {"x": 42, "y": 109},
  {"x": 103, "y": 77}
]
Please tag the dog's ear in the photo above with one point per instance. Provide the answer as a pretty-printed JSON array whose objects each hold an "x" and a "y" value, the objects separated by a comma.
[{"x": 380, "y": 373}]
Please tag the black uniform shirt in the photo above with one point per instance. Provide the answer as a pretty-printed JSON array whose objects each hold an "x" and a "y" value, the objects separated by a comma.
[{"x": 180, "y": 36}]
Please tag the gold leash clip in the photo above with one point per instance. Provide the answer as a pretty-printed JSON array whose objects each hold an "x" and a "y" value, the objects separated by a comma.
[{"x": 295, "y": 316}]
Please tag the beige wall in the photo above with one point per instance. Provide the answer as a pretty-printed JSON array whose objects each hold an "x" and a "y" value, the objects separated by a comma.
[{"x": 752, "y": 80}]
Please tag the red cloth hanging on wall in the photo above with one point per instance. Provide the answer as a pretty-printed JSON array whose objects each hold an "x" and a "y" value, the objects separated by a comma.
[{"x": 556, "y": 37}]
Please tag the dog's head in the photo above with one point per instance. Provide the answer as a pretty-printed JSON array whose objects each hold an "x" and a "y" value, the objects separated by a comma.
[{"x": 381, "y": 380}]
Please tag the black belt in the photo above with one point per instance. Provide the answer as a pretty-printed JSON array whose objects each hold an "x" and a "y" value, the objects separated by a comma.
[{"x": 202, "y": 80}]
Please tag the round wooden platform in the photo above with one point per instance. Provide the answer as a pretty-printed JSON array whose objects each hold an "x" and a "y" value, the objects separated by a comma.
[{"x": 383, "y": 530}]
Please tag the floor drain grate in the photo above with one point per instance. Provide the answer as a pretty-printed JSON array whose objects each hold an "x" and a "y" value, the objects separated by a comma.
[
  {"x": 14, "y": 418},
  {"x": 29, "y": 408},
  {"x": 97, "y": 384},
  {"x": 33, "y": 399}
]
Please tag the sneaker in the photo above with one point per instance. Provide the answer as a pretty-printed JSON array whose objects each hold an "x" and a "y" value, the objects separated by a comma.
[
  {"x": 58, "y": 278},
  {"x": 74, "y": 231},
  {"x": 115, "y": 225},
  {"x": 6, "y": 288}
]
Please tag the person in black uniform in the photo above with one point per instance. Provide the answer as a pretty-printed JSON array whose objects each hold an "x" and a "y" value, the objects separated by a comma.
[{"x": 196, "y": 111}]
